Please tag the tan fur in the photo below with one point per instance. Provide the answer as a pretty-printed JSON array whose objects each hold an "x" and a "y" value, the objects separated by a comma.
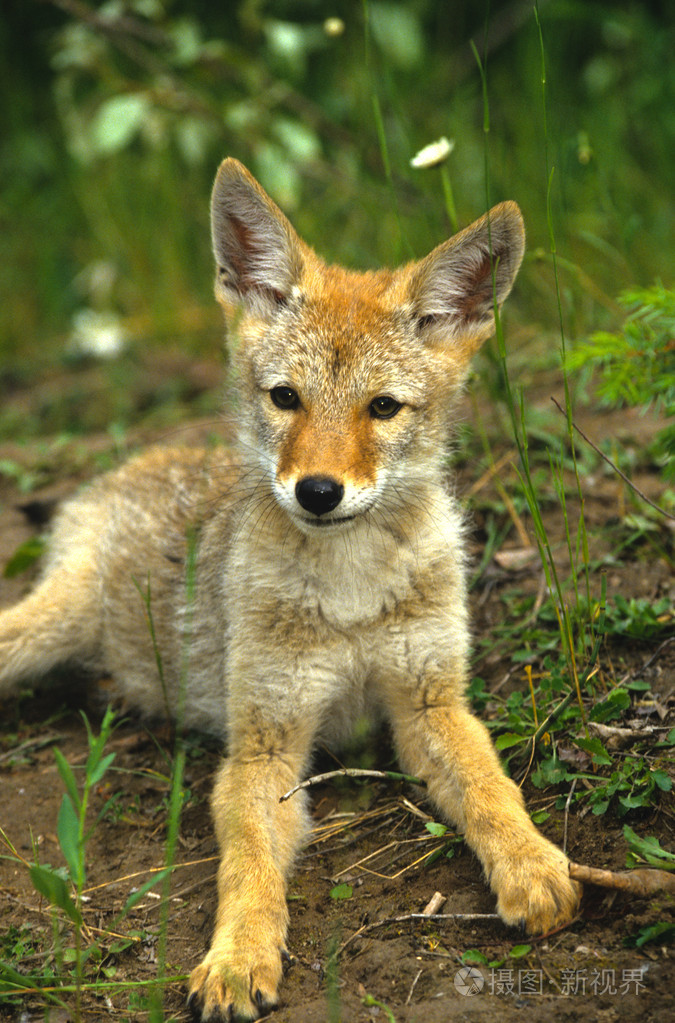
[{"x": 304, "y": 617}]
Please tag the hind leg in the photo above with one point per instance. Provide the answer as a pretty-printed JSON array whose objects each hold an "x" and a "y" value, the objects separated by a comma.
[{"x": 59, "y": 621}]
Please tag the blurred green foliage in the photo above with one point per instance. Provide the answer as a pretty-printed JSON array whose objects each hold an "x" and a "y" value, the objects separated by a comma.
[
  {"x": 635, "y": 365},
  {"x": 115, "y": 115}
]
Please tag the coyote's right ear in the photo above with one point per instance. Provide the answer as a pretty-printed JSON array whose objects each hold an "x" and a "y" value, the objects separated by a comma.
[{"x": 258, "y": 254}]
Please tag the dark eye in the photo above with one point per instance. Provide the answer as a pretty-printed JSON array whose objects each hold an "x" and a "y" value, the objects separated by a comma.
[
  {"x": 384, "y": 407},
  {"x": 284, "y": 397}
]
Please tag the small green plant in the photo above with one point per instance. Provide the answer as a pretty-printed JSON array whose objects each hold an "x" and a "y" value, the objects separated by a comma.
[
  {"x": 647, "y": 850},
  {"x": 17, "y": 942},
  {"x": 639, "y": 618},
  {"x": 473, "y": 956},
  {"x": 636, "y": 364},
  {"x": 79, "y": 963},
  {"x": 662, "y": 932},
  {"x": 370, "y": 1001},
  {"x": 552, "y": 714},
  {"x": 73, "y": 834},
  {"x": 341, "y": 891},
  {"x": 634, "y": 783},
  {"x": 448, "y": 848}
]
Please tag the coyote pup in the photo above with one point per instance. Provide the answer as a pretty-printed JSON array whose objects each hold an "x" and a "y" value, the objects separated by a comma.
[{"x": 329, "y": 578}]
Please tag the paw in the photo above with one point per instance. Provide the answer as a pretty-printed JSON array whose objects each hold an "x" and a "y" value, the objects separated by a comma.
[
  {"x": 235, "y": 984},
  {"x": 534, "y": 889}
]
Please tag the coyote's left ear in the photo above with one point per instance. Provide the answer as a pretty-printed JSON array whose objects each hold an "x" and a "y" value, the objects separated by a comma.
[{"x": 453, "y": 290}]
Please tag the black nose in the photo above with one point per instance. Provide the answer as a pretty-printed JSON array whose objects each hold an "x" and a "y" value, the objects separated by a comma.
[{"x": 319, "y": 494}]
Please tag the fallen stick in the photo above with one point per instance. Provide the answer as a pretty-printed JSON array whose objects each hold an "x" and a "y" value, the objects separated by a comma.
[
  {"x": 351, "y": 772},
  {"x": 641, "y": 882},
  {"x": 434, "y": 904}
]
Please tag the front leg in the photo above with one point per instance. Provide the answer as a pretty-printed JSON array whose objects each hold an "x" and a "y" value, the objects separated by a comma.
[
  {"x": 439, "y": 740},
  {"x": 258, "y": 838}
]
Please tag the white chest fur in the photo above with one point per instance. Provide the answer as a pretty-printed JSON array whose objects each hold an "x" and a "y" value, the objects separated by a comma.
[{"x": 348, "y": 578}]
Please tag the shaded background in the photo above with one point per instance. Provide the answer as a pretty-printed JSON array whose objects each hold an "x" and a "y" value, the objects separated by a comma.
[{"x": 114, "y": 117}]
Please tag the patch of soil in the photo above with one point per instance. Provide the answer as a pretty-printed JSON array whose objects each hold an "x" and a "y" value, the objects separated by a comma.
[{"x": 362, "y": 957}]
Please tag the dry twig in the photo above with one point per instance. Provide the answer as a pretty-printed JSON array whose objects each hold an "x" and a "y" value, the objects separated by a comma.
[
  {"x": 615, "y": 467},
  {"x": 351, "y": 772}
]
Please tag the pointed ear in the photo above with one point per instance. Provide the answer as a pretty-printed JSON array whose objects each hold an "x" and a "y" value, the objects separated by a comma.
[
  {"x": 453, "y": 290},
  {"x": 258, "y": 254}
]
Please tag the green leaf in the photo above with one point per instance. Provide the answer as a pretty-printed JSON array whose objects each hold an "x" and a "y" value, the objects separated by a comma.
[
  {"x": 663, "y": 931},
  {"x": 94, "y": 772},
  {"x": 24, "y": 557},
  {"x": 11, "y": 980},
  {"x": 138, "y": 895},
  {"x": 187, "y": 41},
  {"x": 55, "y": 890},
  {"x": 341, "y": 891},
  {"x": 539, "y": 816},
  {"x": 436, "y": 855},
  {"x": 99, "y": 769},
  {"x": 550, "y": 772},
  {"x": 507, "y": 740},
  {"x": 68, "y": 778},
  {"x": 664, "y": 781},
  {"x": 370, "y": 1000},
  {"x": 611, "y": 707},
  {"x": 473, "y": 955},
  {"x": 68, "y": 830},
  {"x": 638, "y": 685},
  {"x": 633, "y": 802},
  {"x": 600, "y": 807},
  {"x": 596, "y": 749},
  {"x": 436, "y": 829},
  {"x": 649, "y": 849},
  {"x": 397, "y": 31},
  {"x": 518, "y": 951},
  {"x": 117, "y": 121},
  {"x": 299, "y": 140}
]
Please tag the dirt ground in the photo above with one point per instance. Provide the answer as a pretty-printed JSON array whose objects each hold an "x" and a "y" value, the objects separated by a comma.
[{"x": 353, "y": 960}]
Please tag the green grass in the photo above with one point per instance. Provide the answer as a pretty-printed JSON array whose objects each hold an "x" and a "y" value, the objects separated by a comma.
[{"x": 331, "y": 136}]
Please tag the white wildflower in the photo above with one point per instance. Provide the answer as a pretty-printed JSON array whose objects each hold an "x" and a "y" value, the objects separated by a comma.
[
  {"x": 98, "y": 334},
  {"x": 333, "y": 27},
  {"x": 433, "y": 154}
]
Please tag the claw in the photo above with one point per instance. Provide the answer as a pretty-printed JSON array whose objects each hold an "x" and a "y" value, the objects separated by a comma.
[
  {"x": 192, "y": 1006},
  {"x": 264, "y": 1006},
  {"x": 287, "y": 961}
]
